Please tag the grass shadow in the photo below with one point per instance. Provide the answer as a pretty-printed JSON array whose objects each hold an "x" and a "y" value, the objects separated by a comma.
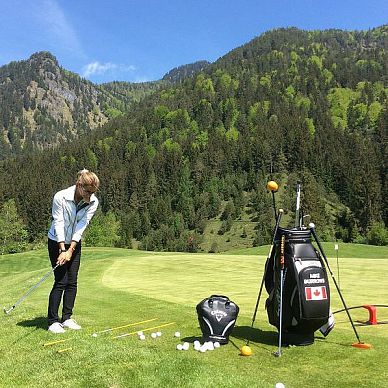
[
  {"x": 38, "y": 323},
  {"x": 246, "y": 333},
  {"x": 192, "y": 339},
  {"x": 250, "y": 334}
]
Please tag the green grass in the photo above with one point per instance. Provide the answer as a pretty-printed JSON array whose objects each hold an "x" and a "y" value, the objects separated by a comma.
[{"x": 118, "y": 286}]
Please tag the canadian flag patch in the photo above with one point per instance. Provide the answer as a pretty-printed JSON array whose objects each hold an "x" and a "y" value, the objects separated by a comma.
[{"x": 315, "y": 293}]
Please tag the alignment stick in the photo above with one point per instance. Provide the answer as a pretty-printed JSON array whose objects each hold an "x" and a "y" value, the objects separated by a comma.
[{"x": 148, "y": 329}]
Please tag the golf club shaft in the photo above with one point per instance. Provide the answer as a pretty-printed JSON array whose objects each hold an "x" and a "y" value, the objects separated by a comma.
[
  {"x": 312, "y": 228},
  {"x": 274, "y": 204},
  {"x": 31, "y": 289},
  {"x": 282, "y": 244},
  {"x": 279, "y": 216}
]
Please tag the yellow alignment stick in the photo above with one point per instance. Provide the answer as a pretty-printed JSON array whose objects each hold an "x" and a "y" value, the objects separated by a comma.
[
  {"x": 64, "y": 350},
  {"x": 56, "y": 342},
  {"x": 148, "y": 329},
  {"x": 120, "y": 327}
]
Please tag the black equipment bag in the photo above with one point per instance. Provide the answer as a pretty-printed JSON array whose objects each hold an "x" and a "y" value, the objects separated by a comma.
[
  {"x": 306, "y": 293},
  {"x": 217, "y": 316}
]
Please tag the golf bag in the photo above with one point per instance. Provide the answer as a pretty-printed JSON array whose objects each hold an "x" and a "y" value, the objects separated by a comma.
[
  {"x": 306, "y": 293},
  {"x": 217, "y": 316}
]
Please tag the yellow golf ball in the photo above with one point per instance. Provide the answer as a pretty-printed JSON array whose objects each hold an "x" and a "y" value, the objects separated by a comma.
[{"x": 246, "y": 350}]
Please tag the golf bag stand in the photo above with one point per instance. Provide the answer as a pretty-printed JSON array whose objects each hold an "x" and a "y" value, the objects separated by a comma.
[
  {"x": 306, "y": 293},
  {"x": 217, "y": 316}
]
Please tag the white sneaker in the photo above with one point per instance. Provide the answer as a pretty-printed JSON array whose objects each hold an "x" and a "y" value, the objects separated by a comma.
[
  {"x": 71, "y": 324},
  {"x": 56, "y": 328}
]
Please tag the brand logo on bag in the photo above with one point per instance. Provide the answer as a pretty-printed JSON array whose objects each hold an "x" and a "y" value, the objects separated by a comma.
[{"x": 219, "y": 314}]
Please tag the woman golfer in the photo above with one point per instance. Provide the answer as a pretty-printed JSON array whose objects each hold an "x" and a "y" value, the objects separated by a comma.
[{"x": 72, "y": 210}]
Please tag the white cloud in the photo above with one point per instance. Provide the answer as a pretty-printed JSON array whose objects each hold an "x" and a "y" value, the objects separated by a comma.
[
  {"x": 58, "y": 29},
  {"x": 97, "y": 68}
]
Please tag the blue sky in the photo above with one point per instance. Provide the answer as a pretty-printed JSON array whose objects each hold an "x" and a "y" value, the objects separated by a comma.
[{"x": 141, "y": 40}]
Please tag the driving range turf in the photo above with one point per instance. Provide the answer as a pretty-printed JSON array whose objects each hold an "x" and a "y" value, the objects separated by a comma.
[{"x": 118, "y": 287}]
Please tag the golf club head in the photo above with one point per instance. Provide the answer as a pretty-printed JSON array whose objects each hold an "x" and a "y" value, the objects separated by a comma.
[{"x": 8, "y": 311}]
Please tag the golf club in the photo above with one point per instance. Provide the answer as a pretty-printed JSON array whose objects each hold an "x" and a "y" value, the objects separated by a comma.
[
  {"x": 280, "y": 213},
  {"x": 30, "y": 290},
  {"x": 282, "y": 244},
  {"x": 359, "y": 344}
]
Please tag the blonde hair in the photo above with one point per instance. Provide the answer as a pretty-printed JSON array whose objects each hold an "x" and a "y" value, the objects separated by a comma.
[{"x": 88, "y": 178}]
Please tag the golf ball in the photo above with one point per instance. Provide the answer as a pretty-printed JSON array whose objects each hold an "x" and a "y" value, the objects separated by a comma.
[
  {"x": 279, "y": 385},
  {"x": 177, "y": 334},
  {"x": 139, "y": 333},
  {"x": 158, "y": 333},
  {"x": 94, "y": 335},
  {"x": 216, "y": 344},
  {"x": 186, "y": 346},
  {"x": 142, "y": 337},
  {"x": 210, "y": 346},
  {"x": 203, "y": 348},
  {"x": 179, "y": 347},
  {"x": 153, "y": 335}
]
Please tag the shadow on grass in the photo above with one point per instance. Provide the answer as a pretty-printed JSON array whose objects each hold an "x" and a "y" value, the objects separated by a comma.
[
  {"x": 250, "y": 334},
  {"x": 241, "y": 334},
  {"x": 38, "y": 323}
]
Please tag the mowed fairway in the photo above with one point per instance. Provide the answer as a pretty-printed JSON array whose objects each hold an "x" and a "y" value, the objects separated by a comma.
[{"x": 119, "y": 287}]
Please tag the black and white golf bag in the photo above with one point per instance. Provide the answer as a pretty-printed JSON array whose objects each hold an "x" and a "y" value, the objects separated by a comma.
[
  {"x": 217, "y": 316},
  {"x": 306, "y": 293}
]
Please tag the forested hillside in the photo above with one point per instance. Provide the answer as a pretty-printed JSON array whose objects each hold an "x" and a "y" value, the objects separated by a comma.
[
  {"x": 43, "y": 105},
  {"x": 306, "y": 105}
]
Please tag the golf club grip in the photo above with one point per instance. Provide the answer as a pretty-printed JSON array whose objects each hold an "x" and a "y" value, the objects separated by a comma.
[
  {"x": 280, "y": 213},
  {"x": 282, "y": 244}
]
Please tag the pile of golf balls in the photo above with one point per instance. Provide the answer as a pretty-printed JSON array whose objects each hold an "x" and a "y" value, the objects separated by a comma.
[
  {"x": 198, "y": 347},
  {"x": 184, "y": 346}
]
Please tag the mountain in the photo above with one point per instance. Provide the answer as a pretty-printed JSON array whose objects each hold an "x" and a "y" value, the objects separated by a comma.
[
  {"x": 186, "y": 167},
  {"x": 42, "y": 104},
  {"x": 179, "y": 74}
]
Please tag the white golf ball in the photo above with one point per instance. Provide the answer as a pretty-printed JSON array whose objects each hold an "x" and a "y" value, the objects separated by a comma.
[
  {"x": 216, "y": 344},
  {"x": 158, "y": 333},
  {"x": 203, "y": 349},
  {"x": 142, "y": 337},
  {"x": 177, "y": 334},
  {"x": 210, "y": 346},
  {"x": 280, "y": 385},
  {"x": 140, "y": 333},
  {"x": 94, "y": 335},
  {"x": 179, "y": 347},
  {"x": 186, "y": 346},
  {"x": 153, "y": 335}
]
